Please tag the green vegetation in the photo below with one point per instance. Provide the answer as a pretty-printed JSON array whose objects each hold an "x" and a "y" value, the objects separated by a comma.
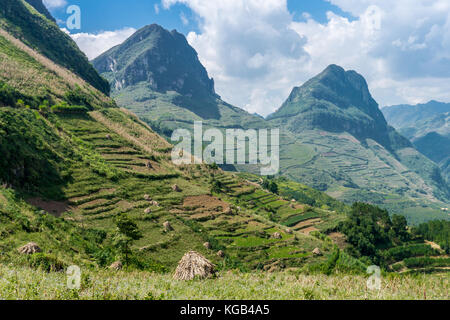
[
  {"x": 23, "y": 22},
  {"x": 331, "y": 138},
  {"x": 376, "y": 238},
  {"x": 28, "y": 284},
  {"x": 437, "y": 231}
]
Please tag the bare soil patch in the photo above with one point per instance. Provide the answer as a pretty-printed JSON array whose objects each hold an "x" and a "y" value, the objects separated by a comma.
[
  {"x": 55, "y": 208},
  {"x": 339, "y": 239},
  {"x": 306, "y": 223},
  {"x": 204, "y": 206}
]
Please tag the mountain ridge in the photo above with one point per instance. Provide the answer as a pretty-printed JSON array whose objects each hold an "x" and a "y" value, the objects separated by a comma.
[{"x": 334, "y": 106}]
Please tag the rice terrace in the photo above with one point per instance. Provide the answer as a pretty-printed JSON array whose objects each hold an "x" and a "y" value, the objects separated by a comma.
[{"x": 301, "y": 187}]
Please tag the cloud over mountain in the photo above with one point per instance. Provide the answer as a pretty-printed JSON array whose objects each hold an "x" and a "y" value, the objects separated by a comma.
[{"x": 257, "y": 52}]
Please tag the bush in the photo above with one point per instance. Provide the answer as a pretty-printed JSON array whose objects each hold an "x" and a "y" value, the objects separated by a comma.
[
  {"x": 64, "y": 108},
  {"x": 45, "y": 262}
]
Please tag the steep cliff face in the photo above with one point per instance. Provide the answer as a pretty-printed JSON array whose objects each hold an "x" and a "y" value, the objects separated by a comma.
[
  {"x": 162, "y": 59},
  {"x": 156, "y": 70}
]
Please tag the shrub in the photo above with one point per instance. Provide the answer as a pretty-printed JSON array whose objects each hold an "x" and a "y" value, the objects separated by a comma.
[
  {"x": 64, "y": 108},
  {"x": 45, "y": 262}
]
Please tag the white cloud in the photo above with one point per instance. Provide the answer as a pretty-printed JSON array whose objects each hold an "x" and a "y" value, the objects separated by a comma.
[
  {"x": 249, "y": 49},
  {"x": 400, "y": 46},
  {"x": 184, "y": 19},
  {"x": 156, "y": 6},
  {"x": 95, "y": 44},
  {"x": 257, "y": 53},
  {"x": 53, "y": 4}
]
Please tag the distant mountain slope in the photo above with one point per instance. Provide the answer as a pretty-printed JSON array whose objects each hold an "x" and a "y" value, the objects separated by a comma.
[
  {"x": 335, "y": 138},
  {"x": 427, "y": 126},
  {"x": 44, "y": 36},
  {"x": 403, "y": 116},
  {"x": 157, "y": 74}
]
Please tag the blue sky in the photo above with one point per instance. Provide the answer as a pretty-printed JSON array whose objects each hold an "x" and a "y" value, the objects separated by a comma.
[
  {"x": 101, "y": 15},
  {"x": 257, "y": 50}
]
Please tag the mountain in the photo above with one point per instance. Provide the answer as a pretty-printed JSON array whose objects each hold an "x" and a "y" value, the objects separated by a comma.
[
  {"x": 333, "y": 135},
  {"x": 41, "y": 8},
  {"x": 84, "y": 183},
  {"x": 427, "y": 126},
  {"x": 73, "y": 163},
  {"x": 156, "y": 71},
  {"x": 404, "y": 116},
  {"x": 336, "y": 139},
  {"x": 45, "y": 37}
]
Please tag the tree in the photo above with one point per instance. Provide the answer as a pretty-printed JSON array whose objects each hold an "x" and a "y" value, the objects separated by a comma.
[
  {"x": 127, "y": 232},
  {"x": 399, "y": 225}
]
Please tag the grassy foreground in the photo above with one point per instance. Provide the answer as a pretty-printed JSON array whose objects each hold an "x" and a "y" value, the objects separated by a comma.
[{"x": 24, "y": 283}]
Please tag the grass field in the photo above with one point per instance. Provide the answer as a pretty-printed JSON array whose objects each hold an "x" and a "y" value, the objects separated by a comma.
[{"x": 24, "y": 283}]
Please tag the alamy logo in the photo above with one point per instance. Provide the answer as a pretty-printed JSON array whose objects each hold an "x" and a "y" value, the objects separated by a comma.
[
  {"x": 74, "y": 20},
  {"x": 239, "y": 146}
]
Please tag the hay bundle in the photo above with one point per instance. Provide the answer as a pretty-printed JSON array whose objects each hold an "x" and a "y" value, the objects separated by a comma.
[
  {"x": 148, "y": 211},
  {"x": 317, "y": 252},
  {"x": 221, "y": 254},
  {"x": 207, "y": 245},
  {"x": 147, "y": 197},
  {"x": 276, "y": 235},
  {"x": 289, "y": 231},
  {"x": 167, "y": 226},
  {"x": 30, "y": 248},
  {"x": 176, "y": 188},
  {"x": 193, "y": 265},
  {"x": 116, "y": 266}
]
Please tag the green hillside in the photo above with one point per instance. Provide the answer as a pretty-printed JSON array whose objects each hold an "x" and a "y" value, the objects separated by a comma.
[
  {"x": 333, "y": 135},
  {"x": 80, "y": 163},
  {"x": 85, "y": 183},
  {"x": 22, "y": 21}
]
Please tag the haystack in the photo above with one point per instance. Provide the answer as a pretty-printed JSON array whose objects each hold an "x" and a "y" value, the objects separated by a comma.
[
  {"x": 317, "y": 252},
  {"x": 289, "y": 231},
  {"x": 176, "y": 188},
  {"x": 193, "y": 265},
  {"x": 221, "y": 254},
  {"x": 147, "y": 197},
  {"x": 167, "y": 226},
  {"x": 277, "y": 235},
  {"x": 207, "y": 245},
  {"x": 116, "y": 266},
  {"x": 30, "y": 248},
  {"x": 148, "y": 211}
]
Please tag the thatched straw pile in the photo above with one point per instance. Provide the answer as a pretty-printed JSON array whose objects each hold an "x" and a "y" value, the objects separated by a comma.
[
  {"x": 167, "y": 226},
  {"x": 30, "y": 248},
  {"x": 193, "y": 265},
  {"x": 116, "y": 266},
  {"x": 207, "y": 245},
  {"x": 277, "y": 235},
  {"x": 176, "y": 188}
]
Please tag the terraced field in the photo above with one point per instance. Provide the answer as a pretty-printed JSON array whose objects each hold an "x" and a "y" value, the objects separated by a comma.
[{"x": 125, "y": 168}]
